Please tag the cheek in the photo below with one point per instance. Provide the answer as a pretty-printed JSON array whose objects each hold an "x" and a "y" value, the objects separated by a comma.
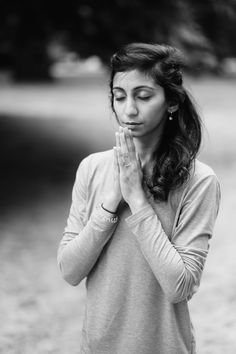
[
  {"x": 157, "y": 111},
  {"x": 117, "y": 110}
]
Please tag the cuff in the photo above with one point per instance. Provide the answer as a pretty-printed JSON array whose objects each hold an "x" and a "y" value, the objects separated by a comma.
[
  {"x": 140, "y": 215},
  {"x": 103, "y": 218}
]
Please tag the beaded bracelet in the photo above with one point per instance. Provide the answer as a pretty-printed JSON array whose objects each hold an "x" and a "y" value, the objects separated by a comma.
[{"x": 113, "y": 219}]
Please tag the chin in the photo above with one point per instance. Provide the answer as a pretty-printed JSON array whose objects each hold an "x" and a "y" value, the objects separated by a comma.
[{"x": 136, "y": 134}]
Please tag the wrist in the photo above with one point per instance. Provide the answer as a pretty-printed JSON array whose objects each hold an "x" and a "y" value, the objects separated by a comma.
[
  {"x": 138, "y": 203},
  {"x": 109, "y": 211},
  {"x": 110, "y": 204}
]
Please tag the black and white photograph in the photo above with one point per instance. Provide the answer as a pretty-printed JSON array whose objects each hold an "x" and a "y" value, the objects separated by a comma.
[{"x": 117, "y": 177}]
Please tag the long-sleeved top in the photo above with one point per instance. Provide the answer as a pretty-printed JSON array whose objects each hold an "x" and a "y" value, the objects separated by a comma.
[{"x": 142, "y": 270}]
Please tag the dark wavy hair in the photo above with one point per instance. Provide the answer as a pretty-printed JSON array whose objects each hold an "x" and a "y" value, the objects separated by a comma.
[{"x": 181, "y": 136}]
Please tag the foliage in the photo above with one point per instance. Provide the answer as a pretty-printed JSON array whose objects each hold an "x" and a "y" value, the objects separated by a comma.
[{"x": 91, "y": 27}]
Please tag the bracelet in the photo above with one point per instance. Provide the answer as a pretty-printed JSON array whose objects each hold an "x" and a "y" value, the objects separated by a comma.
[
  {"x": 113, "y": 219},
  {"x": 111, "y": 212}
]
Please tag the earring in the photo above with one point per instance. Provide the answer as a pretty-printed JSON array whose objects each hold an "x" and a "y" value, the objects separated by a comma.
[{"x": 170, "y": 116}]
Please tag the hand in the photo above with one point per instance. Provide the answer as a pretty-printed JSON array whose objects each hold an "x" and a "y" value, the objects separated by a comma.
[
  {"x": 113, "y": 198},
  {"x": 130, "y": 172}
]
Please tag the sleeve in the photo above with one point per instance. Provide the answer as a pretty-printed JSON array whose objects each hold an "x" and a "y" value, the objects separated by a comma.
[
  {"x": 83, "y": 240},
  {"x": 177, "y": 263}
]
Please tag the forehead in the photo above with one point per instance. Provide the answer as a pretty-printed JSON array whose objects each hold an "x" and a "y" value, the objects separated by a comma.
[{"x": 132, "y": 79}]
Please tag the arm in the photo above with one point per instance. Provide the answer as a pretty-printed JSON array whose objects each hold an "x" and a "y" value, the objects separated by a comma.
[
  {"x": 178, "y": 264},
  {"x": 83, "y": 239}
]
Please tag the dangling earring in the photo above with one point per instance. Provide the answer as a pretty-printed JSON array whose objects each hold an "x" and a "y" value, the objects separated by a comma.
[{"x": 171, "y": 110}]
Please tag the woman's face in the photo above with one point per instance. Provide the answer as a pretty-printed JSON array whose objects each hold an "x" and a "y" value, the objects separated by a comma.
[{"x": 139, "y": 103}]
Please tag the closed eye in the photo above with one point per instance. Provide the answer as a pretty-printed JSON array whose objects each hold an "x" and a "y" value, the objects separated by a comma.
[
  {"x": 144, "y": 98},
  {"x": 119, "y": 98}
]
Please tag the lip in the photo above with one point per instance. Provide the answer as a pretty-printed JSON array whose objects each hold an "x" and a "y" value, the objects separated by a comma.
[{"x": 132, "y": 123}]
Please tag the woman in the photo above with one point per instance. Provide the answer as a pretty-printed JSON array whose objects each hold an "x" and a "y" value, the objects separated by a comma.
[{"x": 143, "y": 213}]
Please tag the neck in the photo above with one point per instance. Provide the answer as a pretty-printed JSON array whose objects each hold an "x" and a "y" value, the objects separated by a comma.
[
  {"x": 146, "y": 145},
  {"x": 145, "y": 148}
]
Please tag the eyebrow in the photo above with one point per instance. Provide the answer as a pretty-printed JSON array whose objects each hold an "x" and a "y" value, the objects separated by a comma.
[{"x": 135, "y": 88}]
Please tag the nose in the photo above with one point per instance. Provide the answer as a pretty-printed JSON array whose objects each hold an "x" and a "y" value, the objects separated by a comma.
[{"x": 131, "y": 108}]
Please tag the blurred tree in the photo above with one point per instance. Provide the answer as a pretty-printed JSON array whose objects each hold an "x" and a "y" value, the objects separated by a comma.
[
  {"x": 25, "y": 31},
  {"x": 91, "y": 27},
  {"x": 217, "y": 19}
]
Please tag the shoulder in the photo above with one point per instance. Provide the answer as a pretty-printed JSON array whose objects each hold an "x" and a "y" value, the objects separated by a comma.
[
  {"x": 202, "y": 170},
  {"x": 95, "y": 162},
  {"x": 202, "y": 173},
  {"x": 202, "y": 182},
  {"x": 100, "y": 157}
]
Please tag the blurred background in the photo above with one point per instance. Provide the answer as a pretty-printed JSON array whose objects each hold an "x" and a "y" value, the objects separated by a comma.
[{"x": 54, "y": 110}]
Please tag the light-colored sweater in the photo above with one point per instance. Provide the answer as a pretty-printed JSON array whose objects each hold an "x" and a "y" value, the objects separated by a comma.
[{"x": 142, "y": 270}]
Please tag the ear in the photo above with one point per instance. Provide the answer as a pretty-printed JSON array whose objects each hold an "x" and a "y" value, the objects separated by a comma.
[{"x": 173, "y": 108}]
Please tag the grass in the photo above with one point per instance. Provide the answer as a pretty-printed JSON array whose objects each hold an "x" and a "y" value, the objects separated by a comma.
[{"x": 43, "y": 136}]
